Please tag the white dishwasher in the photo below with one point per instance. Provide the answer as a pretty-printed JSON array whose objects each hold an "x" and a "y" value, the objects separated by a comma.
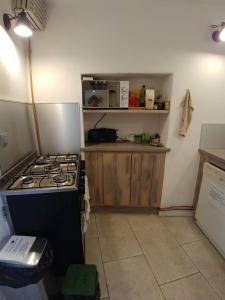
[{"x": 210, "y": 212}]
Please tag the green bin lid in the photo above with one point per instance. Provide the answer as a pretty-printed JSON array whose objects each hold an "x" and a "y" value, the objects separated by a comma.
[{"x": 80, "y": 280}]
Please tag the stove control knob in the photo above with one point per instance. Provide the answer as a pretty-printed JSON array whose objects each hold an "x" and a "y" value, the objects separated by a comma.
[
  {"x": 82, "y": 164},
  {"x": 82, "y": 180},
  {"x": 82, "y": 188},
  {"x": 82, "y": 172}
]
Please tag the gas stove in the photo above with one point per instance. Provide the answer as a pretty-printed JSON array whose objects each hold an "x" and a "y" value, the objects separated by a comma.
[
  {"x": 50, "y": 172},
  {"x": 60, "y": 158},
  {"x": 51, "y": 168},
  {"x": 43, "y": 181},
  {"x": 46, "y": 199}
]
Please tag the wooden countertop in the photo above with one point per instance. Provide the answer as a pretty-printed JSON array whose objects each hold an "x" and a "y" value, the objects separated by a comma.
[
  {"x": 123, "y": 147},
  {"x": 218, "y": 154}
]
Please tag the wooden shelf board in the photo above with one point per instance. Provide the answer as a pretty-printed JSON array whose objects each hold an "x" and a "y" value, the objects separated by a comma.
[{"x": 124, "y": 111}]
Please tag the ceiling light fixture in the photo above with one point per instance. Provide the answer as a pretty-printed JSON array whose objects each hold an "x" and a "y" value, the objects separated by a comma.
[
  {"x": 22, "y": 26},
  {"x": 219, "y": 34}
]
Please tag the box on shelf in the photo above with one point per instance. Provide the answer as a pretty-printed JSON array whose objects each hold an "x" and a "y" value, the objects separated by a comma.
[
  {"x": 149, "y": 99},
  {"x": 124, "y": 93}
]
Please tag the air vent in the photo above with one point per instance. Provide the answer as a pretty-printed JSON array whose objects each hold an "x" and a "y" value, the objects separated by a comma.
[{"x": 35, "y": 10}]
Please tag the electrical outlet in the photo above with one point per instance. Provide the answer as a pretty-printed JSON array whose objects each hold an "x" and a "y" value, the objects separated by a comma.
[{"x": 3, "y": 140}]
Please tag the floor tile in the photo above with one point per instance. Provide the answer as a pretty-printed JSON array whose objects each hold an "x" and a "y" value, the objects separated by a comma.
[
  {"x": 92, "y": 228},
  {"x": 117, "y": 239},
  {"x": 166, "y": 257},
  {"x": 118, "y": 248},
  {"x": 209, "y": 262},
  {"x": 93, "y": 256},
  {"x": 131, "y": 279},
  {"x": 144, "y": 221},
  {"x": 193, "y": 287},
  {"x": 115, "y": 225},
  {"x": 183, "y": 229}
]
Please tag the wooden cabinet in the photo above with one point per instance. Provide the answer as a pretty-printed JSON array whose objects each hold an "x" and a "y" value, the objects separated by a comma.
[
  {"x": 125, "y": 179},
  {"x": 109, "y": 178},
  {"x": 116, "y": 179},
  {"x": 123, "y": 175},
  {"x": 141, "y": 179}
]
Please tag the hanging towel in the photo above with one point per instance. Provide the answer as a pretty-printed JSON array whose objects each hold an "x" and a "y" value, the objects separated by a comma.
[
  {"x": 187, "y": 113},
  {"x": 86, "y": 213}
]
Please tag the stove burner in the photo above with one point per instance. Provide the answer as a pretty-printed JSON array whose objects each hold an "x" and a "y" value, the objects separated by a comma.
[
  {"x": 28, "y": 180},
  {"x": 59, "y": 178},
  {"x": 51, "y": 168}
]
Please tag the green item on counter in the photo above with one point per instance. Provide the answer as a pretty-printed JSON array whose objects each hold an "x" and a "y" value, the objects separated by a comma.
[
  {"x": 138, "y": 138},
  {"x": 145, "y": 138}
]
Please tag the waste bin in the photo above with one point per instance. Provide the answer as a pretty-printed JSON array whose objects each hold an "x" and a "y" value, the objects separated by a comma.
[
  {"x": 81, "y": 283},
  {"x": 24, "y": 261}
]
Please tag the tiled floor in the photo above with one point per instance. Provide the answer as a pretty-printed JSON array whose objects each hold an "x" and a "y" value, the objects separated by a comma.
[{"x": 147, "y": 257}]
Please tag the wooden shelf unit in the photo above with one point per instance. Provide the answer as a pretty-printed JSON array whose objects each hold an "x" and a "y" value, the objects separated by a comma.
[{"x": 124, "y": 111}]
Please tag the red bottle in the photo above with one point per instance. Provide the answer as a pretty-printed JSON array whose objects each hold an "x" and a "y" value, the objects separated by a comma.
[{"x": 132, "y": 101}]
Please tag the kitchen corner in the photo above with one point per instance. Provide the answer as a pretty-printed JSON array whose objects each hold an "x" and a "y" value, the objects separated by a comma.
[{"x": 112, "y": 150}]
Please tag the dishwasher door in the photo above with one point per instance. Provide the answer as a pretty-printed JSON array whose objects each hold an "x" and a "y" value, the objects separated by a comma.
[{"x": 210, "y": 212}]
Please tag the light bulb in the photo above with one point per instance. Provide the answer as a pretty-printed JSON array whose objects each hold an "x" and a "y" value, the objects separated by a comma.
[
  {"x": 23, "y": 30},
  {"x": 8, "y": 53},
  {"x": 222, "y": 35}
]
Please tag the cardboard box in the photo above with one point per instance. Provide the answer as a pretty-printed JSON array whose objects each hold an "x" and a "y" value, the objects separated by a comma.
[
  {"x": 124, "y": 94},
  {"x": 149, "y": 99}
]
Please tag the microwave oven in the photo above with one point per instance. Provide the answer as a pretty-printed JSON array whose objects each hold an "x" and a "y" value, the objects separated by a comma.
[{"x": 105, "y": 94}]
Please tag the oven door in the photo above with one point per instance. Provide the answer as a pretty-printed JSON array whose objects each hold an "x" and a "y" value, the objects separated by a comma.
[{"x": 55, "y": 216}]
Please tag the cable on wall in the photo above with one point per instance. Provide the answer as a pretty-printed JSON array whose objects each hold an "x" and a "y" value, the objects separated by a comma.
[
  {"x": 99, "y": 120},
  {"x": 36, "y": 126}
]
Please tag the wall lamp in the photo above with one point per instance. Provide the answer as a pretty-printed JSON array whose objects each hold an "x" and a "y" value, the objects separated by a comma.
[
  {"x": 219, "y": 34},
  {"x": 22, "y": 25}
]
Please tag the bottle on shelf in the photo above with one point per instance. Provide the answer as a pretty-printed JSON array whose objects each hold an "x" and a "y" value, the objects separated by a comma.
[
  {"x": 167, "y": 103},
  {"x": 142, "y": 96}
]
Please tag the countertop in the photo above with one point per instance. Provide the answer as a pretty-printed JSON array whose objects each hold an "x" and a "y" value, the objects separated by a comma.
[
  {"x": 218, "y": 154},
  {"x": 123, "y": 147}
]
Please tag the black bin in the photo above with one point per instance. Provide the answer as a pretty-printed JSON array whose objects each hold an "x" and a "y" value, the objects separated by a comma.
[{"x": 38, "y": 263}]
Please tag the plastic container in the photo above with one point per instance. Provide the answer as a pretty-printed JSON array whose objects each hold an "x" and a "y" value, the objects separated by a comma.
[{"x": 81, "y": 283}]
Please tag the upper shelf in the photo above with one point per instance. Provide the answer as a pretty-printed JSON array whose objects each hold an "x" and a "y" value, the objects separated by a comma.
[{"x": 124, "y": 111}]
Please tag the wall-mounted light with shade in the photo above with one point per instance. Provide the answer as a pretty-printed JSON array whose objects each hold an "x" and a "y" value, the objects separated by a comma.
[
  {"x": 8, "y": 53},
  {"x": 219, "y": 34},
  {"x": 22, "y": 25}
]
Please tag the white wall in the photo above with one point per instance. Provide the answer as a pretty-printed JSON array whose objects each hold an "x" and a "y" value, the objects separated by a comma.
[
  {"x": 145, "y": 36},
  {"x": 13, "y": 77},
  {"x": 13, "y": 66}
]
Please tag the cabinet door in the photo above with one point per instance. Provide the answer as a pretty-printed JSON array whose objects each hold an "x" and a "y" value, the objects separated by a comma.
[
  {"x": 116, "y": 179},
  {"x": 123, "y": 176},
  {"x": 142, "y": 179},
  {"x": 136, "y": 179},
  {"x": 109, "y": 178},
  {"x": 157, "y": 179},
  {"x": 94, "y": 173}
]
